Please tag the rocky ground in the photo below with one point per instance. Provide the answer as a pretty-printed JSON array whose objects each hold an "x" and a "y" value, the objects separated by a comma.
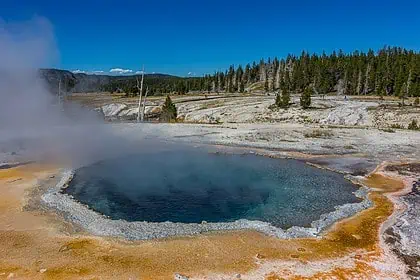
[
  {"x": 402, "y": 236},
  {"x": 216, "y": 109}
]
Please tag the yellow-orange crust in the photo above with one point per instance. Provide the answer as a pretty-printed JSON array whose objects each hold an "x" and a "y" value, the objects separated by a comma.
[{"x": 36, "y": 245}]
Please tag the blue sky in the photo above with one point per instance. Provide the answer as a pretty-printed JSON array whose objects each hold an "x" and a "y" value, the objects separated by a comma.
[{"x": 182, "y": 36}]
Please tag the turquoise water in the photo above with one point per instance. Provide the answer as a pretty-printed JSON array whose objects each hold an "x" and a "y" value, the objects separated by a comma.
[{"x": 195, "y": 186}]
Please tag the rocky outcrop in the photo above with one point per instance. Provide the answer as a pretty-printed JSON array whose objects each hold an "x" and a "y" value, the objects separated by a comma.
[
  {"x": 354, "y": 114},
  {"x": 113, "y": 110},
  {"x": 120, "y": 111},
  {"x": 404, "y": 235}
]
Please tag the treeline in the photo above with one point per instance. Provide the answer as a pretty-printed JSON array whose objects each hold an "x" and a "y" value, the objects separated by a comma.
[
  {"x": 390, "y": 71},
  {"x": 156, "y": 84}
]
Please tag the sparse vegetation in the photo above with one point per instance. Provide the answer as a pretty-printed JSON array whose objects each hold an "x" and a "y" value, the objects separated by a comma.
[
  {"x": 319, "y": 133},
  {"x": 417, "y": 101}
]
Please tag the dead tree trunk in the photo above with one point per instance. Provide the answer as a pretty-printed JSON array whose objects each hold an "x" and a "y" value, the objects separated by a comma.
[
  {"x": 144, "y": 104},
  {"x": 359, "y": 83},
  {"x": 140, "y": 89},
  {"x": 366, "y": 87},
  {"x": 410, "y": 74}
]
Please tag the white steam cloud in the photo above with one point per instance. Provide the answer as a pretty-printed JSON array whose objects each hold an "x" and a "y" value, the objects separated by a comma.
[{"x": 33, "y": 124}]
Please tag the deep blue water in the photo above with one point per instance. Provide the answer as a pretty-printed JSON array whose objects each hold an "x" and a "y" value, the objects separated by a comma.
[{"x": 195, "y": 186}]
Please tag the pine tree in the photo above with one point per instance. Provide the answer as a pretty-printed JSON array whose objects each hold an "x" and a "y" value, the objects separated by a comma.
[
  {"x": 305, "y": 98},
  {"x": 413, "y": 125},
  {"x": 278, "y": 101},
  {"x": 285, "y": 98},
  {"x": 169, "y": 112}
]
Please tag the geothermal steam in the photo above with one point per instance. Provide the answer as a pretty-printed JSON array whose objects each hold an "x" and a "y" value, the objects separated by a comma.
[{"x": 32, "y": 124}]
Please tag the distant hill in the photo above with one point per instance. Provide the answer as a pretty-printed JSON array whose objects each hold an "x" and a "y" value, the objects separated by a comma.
[{"x": 71, "y": 82}]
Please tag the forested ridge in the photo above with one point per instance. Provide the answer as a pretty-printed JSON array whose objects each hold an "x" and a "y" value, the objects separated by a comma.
[{"x": 390, "y": 71}]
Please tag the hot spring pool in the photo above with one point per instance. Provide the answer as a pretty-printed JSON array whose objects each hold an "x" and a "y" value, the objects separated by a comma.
[{"x": 195, "y": 186}]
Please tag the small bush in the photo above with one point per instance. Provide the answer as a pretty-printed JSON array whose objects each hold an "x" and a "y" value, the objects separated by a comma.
[
  {"x": 413, "y": 125},
  {"x": 319, "y": 133},
  {"x": 389, "y": 130},
  {"x": 397, "y": 126},
  {"x": 416, "y": 102}
]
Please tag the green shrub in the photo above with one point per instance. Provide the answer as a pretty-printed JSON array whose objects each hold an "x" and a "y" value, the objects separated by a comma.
[
  {"x": 413, "y": 125},
  {"x": 319, "y": 133},
  {"x": 397, "y": 126},
  {"x": 389, "y": 130}
]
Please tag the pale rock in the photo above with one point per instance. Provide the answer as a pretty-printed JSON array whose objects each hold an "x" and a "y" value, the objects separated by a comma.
[
  {"x": 112, "y": 110},
  {"x": 180, "y": 277}
]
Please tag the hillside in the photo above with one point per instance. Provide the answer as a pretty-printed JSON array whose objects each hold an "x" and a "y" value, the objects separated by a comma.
[{"x": 84, "y": 83}]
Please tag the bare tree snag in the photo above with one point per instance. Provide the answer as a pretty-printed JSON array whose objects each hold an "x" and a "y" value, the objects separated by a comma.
[
  {"x": 366, "y": 87},
  {"x": 144, "y": 104},
  {"x": 140, "y": 88},
  {"x": 359, "y": 83}
]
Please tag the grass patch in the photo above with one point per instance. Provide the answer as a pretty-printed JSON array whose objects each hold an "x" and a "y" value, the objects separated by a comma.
[
  {"x": 388, "y": 130},
  {"x": 319, "y": 133},
  {"x": 349, "y": 147},
  {"x": 397, "y": 126}
]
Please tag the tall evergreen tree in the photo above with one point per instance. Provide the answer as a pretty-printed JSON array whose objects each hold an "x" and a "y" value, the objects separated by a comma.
[
  {"x": 285, "y": 98},
  {"x": 169, "y": 112},
  {"x": 305, "y": 98}
]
